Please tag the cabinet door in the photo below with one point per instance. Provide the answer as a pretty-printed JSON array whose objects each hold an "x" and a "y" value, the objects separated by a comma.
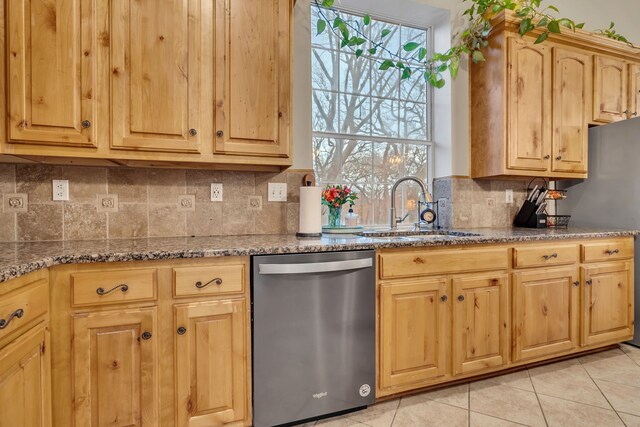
[
  {"x": 546, "y": 312},
  {"x": 253, "y": 77},
  {"x": 608, "y": 303},
  {"x": 51, "y": 64},
  {"x": 414, "y": 319},
  {"x": 25, "y": 381},
  {"x": 610, "y": 90},
  {"x": 571, "y": 109},
  {"x": 529, "y": 106},
  {"x": 156, "y": 49},
  {"x": 115, "y": 359},
  {"x": 634, "y": 90},
  {"x": 212, "y": 359},
  {"x": 480, "y": 322}
]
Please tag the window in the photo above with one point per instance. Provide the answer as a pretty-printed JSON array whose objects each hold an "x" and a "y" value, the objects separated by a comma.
[{"x": 369, "y": 126}]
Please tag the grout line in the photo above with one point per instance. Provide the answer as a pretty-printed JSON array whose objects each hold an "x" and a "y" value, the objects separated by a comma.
[
  {"x": 604, "y": 395},
  {"x": 544, "y": 416},
  {"x": 469, "y": 404},
  {"x": 627, "y": 354},
  {"x": 498, "y": 418}
]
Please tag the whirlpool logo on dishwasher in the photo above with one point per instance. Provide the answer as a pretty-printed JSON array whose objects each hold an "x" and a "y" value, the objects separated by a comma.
[{"x": 320, "y": 395}]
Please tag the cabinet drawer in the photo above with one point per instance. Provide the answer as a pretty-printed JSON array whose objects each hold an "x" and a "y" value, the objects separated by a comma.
[
  {"x": 421, "y": 263},
  {"x": 20, "y": 308},
  {"x": 212, "y": 280},
  {"x": 607, "y": 250},
  {"x": 113, "y": 287},
  {"x": 548, "y": 255}
]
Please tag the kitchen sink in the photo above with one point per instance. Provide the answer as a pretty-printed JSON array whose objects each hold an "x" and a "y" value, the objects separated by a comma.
[{"x": 412, "y": 234}]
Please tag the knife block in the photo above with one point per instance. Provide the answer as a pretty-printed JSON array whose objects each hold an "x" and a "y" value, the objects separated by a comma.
[{"x": 528, "y": 218}]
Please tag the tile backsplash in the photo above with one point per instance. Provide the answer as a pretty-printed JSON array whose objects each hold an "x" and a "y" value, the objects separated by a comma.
[
  {"x": 126, "y": 202},
  {"x": 478, "y": 203}
]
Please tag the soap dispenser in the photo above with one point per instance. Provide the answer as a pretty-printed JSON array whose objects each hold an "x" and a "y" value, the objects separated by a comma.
[{"x": 351, "y": 218}]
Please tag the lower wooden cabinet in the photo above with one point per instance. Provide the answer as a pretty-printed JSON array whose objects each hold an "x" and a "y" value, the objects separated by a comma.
[
  {"x": 25, "y": 380},
  {"x": 608, "y": 303},
  {"x": 211, "y": 362},
  {"x": 480, "y": 322},
  {"x": 414, "y": 330},
  {"x": 115, "y": 360},
  {"x": 546, "y": 312}
]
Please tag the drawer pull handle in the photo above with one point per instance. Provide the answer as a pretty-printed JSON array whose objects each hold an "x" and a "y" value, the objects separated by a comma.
[
  {"x": 444, "y": 298},
  {"x": 589, "y": 282},
  {"x": 612, "y": 252},
  {"x": 5, "y": 323},
  {"x": 576, "y": 283},
  {"x": 182, "y": 330},
  {"x": 548, "y": 257},
  {"x": 217, "y": 281},
  {"x": 122, "y": 287},
  {"x": 146, "y": 336},
  {"x": 461, "y": 298}
]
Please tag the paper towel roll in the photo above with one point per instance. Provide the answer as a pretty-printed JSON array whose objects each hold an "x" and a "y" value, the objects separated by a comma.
[{"x": 310, "y": 211}]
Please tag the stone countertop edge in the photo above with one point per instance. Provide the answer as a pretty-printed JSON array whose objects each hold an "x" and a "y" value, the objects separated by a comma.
[{"x": 17, "y": 259}]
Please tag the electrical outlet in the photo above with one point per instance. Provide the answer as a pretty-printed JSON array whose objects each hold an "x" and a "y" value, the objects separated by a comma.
[
  {"x": 277, "y": 192},
  {"x": 255, "y": 203},
  {"x": 60, "y": 189},
  {"x": 508, "y": 196},
  {"x": 216, "y": 192},
  {"x": 443, "y": 203}
]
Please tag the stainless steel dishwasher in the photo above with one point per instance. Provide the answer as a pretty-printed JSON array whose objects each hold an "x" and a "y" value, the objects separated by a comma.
[{"x": 313, "y": 335}]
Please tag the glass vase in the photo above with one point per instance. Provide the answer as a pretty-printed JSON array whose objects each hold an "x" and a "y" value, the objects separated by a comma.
[{"x": 335, "y": 216}]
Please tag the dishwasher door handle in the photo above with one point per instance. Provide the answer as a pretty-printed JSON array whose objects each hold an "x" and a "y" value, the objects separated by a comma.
[{"x": 315, "y": 267}]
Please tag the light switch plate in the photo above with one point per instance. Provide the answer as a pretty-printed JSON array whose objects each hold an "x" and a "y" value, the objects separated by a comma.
[
  {"x": 277, "y": 192},
  {"x": 60, "y": 190},
  {"x": 16, "y": 202},
  {"x": 216, "y": 192},
  {"x": 508, "y": 196}
]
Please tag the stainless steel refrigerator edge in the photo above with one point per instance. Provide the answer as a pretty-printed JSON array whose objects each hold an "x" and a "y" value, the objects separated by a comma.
[
  {"x": 610, "y": 197},
  {"x": 313, "y": 335}
]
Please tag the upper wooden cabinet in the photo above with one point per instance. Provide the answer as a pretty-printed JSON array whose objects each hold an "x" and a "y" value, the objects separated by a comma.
[
  {"x": 610, "y": 90},
  {"x": 531, "y": 104},
  {"x": 51, "y": 67}
]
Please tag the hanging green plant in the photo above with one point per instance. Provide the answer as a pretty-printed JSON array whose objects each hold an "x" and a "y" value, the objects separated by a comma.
[{"x": 470, "y": 42}]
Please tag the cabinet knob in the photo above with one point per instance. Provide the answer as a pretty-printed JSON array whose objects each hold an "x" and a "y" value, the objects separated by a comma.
[
  {"x": 123, "y": 287},
  {"x": 220, "y": 134},
  {"x": 547, "y": 157},
  {"x": 146, "y": 336},
  {"x": 193, "y": 132},
  {"x": 86, "y": 124},
  {"x": 461, "y": 298},
  {"x": 444, "y": 298},
  {"x": 182, "y": 330},
  {"x": 634, "y": 114},
  {"x": 589, "y": 282},
  {"x": 559, "y": 158},
  {"x": 625, "y": 112},
  {"x": 576, "y": 283}
]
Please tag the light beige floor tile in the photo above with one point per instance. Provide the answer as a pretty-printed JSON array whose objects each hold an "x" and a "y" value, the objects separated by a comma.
[
  {"x": 624, "y": 398},
  {"x": 567, "y": 380},
  {"x": 505, "y": 402},
  {"x": 339, "y": 422},
  {"x": 380, "y": 415},
  {"x": 455, "y": 396},
  {"x": 518, "y": 380},
  {"x": 563, "y": 413},
  {"x": 630, "y": 420},
  {"x": 416, "y": 411},
  {"x": 632, "y": 352},
  {"x": 614, "y": 366},
  {"x": 481, "y": 420}
]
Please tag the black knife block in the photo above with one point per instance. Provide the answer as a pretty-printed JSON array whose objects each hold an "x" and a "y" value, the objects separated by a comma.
[{"x": 528, "y": 218}]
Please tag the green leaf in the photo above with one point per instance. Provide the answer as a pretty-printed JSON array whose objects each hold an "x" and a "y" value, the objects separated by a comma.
[
  {"x": 344, "y": 42},
  {"x": 477, "y": 56},
  {"x": 422, "y": 53},
  {"x": 386, "y": 64},
  {"x": 406, "y": 73},
  {"x": 400, "y": 65},
  {"x": 542, "y": 37},
  {"x": 385, "y": 32},
  {"x": 554, "y": 27},
  {"x": 322, "y": 24},
  {"x": 543, "y": 22},
  {"x": 337, "y": 22},
  {"x": 373, "y": 51},
  {"x": 525, "y": 24},
  {"x": 366, "y": 20},
  {"x": 555, "y": 9},
  {"x": 454, "y": 67},
  {"x": 439, "y": 84},
  {"x": 359, "y": 53},
  {"x": 580, "y": 25},
  {"x": 327, "y": 3},
  {"x": 411, "y": 46}
]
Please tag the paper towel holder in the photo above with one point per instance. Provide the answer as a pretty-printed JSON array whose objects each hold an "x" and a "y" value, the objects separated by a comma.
[{"x": 309, "y": 180}]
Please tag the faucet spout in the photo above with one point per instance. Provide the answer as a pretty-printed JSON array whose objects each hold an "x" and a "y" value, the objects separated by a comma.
[{"x": 426, "y": 198}]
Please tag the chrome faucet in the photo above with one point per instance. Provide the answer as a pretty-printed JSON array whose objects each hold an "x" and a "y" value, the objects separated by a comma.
[{"x": 426, "y": 197}]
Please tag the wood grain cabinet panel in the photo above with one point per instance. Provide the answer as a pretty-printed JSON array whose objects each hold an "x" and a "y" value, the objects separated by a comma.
[
  {"x": 25, "y": 380},
  {"x": 414, "y": 331},
  {"x": 634, "y": 90},
  {"x": 115, "y": 360},
  {"x": 155, "y": 50},
  {"x": 546, "y": 312},
  {"x": 607, "y": 313},
  {"x": 572, "y": 74},
  {"x": 529, "y": 106},
  {"x": 51, "y": 66},
  {"x": 610, "y": 90},
  {"x": 480, "y": 322},
  {"x": 212, "y": 362},
  {"x": 252, "y": 77}
]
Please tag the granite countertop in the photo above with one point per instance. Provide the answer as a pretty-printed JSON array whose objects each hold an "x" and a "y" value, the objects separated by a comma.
[{"x": 17, "y": 259}]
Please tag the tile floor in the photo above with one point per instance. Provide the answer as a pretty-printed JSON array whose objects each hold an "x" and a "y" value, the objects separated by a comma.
[{"x": 599, "y": 390}]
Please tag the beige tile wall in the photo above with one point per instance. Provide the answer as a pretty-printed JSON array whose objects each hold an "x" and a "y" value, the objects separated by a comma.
[
  {"x": 478, "y": 203},
  {"x": 147, "y": 203}
]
